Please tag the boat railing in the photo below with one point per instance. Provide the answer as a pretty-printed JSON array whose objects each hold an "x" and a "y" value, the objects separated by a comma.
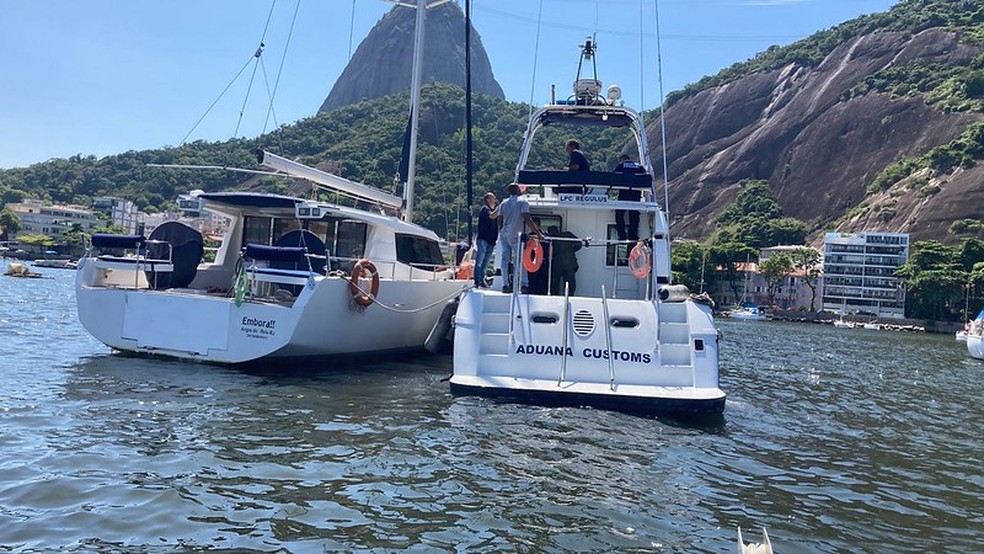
[
  {"x": 435, "y": 271},
  {"x": 130, "y": 253},
  {"x": 588, "y": 242},
  {"x": 261, "y": 266}
]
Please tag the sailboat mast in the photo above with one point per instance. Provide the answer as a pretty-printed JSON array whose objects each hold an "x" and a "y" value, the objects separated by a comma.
[
  {"x": 468, "y": 119},
  {"x": 418, "y": 58}
]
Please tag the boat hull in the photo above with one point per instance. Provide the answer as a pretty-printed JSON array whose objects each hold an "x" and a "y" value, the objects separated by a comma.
[
  {"x": 645, "y": 400},
  {"x": 975, "y": 346},
  {"x": 322, "y": 321},
  {"x": 663, "y": 358}
]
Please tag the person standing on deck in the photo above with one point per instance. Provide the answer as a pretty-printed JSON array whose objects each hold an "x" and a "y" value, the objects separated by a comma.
[
  {"x": 630, "y": 231},
  {"x": 488, "y": 232},
  {"x": 576, "y": 160},
  {"x": 564, "y": 261},
  {"x": 513, "y": 213}
]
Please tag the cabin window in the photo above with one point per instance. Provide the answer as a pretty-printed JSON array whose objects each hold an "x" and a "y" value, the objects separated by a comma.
[
  {"x": 414, "y": 250},
  {"x": 545, "y": 222},
  {"x": 283, "y": 226},
  {"x": 257, "y": 230},
  {"x": 350, "y": 239}
]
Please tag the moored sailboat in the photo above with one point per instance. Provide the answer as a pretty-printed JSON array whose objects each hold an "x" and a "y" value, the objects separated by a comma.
[{"x": 293, "y": 277}]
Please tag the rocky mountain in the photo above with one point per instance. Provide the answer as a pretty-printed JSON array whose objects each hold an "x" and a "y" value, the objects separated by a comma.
[
  {"x": 866, "y": 126},
  {"x": 381, "y": 65}
]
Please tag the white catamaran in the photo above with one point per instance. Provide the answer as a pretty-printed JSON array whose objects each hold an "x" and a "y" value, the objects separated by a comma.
[{"x": 627, "y": 339}]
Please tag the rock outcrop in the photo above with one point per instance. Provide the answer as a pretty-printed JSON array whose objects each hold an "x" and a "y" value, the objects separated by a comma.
[
  {"x": 382, "y": 63},
  {"x": 820, "y": 149}
]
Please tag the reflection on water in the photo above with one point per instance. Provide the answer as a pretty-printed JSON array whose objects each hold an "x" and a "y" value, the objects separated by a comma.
[{"x": 837, "y": 440}]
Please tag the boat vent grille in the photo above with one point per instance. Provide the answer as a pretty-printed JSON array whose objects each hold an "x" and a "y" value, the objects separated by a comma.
[{"x": 583, "y": 322}]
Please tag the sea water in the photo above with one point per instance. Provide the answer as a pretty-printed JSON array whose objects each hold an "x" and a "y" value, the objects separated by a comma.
[{"x": 836, "y": 440}]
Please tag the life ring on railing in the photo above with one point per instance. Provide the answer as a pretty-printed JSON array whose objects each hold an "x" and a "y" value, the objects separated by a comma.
[
  {"x": 466, "y": 270},
  {"x": 639, "y": 259},
  {"x": 363, "y": 268},
  {"x": 533, "y": 255}
]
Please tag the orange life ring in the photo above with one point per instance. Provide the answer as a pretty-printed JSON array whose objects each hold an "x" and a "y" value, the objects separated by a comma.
[
  {"x": 639, "y": 260},
  {"x": 466, "y": 270},
  {"x": 533, "y": 255},
  {"x": 363, "y": 268}
]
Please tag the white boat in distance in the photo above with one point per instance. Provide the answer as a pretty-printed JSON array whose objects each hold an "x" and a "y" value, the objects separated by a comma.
[
  {"x": 748, "y": 313},
  {"x": 627, "y": 340},
  {"x": 292, "y": 278},
  {"x": 975, "y": 337}
]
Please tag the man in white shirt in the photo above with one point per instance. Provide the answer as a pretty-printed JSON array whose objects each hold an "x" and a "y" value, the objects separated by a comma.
[{"x": 512, "y": 214}]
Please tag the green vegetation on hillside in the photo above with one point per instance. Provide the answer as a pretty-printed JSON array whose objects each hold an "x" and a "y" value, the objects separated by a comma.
[
  {"x": 941, "y": 281},
  {"x": 908, "y": 16},
  {"x": 361, "y": 142}
]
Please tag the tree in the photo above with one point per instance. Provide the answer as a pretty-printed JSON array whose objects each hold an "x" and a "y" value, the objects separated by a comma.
[
  {"x": 9, "y": 223},
  {"x": 726, "y": 256},
  {"x": 774, "y": 269},
  {"x": 807, "y": 260},
  {"x": 754, "y": 198},
  {"x": 935, "y": 280},
  {"x": 692, "y": 265},
  {"x": 37, "y": 240},
  {"x": 75, "y": 237}
]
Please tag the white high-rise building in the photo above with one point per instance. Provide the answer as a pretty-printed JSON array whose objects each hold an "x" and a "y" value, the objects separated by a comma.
[
  {"x": 121, "y": 212},
  {"x": 859, "y": 273}
]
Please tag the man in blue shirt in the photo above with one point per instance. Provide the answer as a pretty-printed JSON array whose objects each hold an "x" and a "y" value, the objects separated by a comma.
[
  {"x": 513, "y": 213},
  {"x": 488, "y": 231}
]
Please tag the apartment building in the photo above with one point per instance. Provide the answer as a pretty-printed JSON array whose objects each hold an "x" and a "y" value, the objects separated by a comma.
[
  {"x": 36, "y": 218},
  {"x": 121, "y": 212},
  {"x": 859, "y": 273}
]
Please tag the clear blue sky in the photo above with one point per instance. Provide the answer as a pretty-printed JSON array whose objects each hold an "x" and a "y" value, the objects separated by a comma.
[{"x": 106, "y": 76}]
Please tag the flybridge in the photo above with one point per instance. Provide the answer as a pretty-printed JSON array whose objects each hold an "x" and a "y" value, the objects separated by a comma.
[{"x": 330, "y": 182}]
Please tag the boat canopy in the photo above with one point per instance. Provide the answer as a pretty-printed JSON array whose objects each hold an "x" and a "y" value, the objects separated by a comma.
[
  {"x": 594, "y": 116},
  {"x": 642, "y": 181},
  {"x": 326, "y": 180},
  {"x": 250, "y": 200}
]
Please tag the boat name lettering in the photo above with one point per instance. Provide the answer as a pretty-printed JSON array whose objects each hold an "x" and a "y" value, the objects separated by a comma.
[
  {"x": 618, "y": 355},
  {"x": 590, "y": 353},
  {"x": 542, "y": 350},
  {"x": 583, "y": 198},
  {"x": 262, "y": 323}
]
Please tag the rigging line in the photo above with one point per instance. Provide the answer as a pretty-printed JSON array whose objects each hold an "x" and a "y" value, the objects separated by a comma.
[
  {"x": 351, "y": 29},
  {"x": 257, "y": 55},
  {"x": 536, "y": 54},
  {"x": 249, "y": 88},
  {"x": 270, "y": 110},
  {"x": 622, "y": 32},
  {"x": 642, "y": 68},
  {"x": 216, "y": 101},
  {"x": 269, "y": 17},
  {"x": 280, "y": 71},
  {"x": 596, "y": 17},
  {"x": 662, "y": 119}
]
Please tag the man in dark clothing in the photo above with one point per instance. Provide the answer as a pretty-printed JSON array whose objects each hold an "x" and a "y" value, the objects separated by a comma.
[
  {"x": 563, "y": 262},
  {"x": 488, "y": 232},
  {"x": 577, "y": 161},
  {"x": 630, "y": 231}
]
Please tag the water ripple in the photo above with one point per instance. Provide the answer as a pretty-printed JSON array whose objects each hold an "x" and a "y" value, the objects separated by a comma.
[{"x": 836, "y": 441}]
